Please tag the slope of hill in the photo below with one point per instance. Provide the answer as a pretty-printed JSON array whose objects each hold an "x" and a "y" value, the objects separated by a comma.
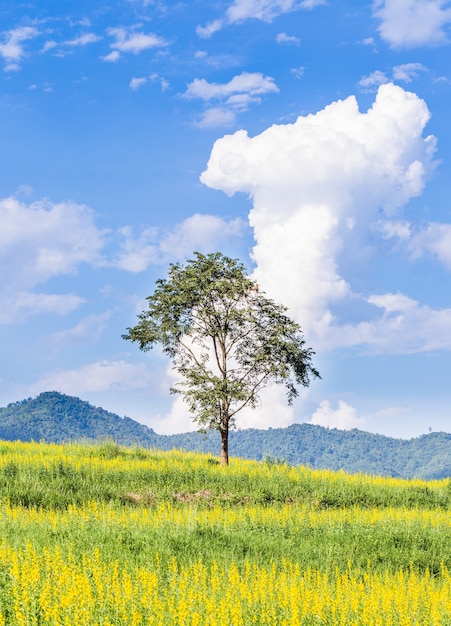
[
  {"x": 58, "y": 418},
  {"x": 55, "y": 417}
]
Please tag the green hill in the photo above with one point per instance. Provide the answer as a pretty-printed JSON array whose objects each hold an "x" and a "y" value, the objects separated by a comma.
[
  {"x": 55, "y": 417},
  {"x": 58, "y": 418}
]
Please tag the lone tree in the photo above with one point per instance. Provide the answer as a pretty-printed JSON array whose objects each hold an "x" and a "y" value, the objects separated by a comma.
[{"x": 226, "y": 339}]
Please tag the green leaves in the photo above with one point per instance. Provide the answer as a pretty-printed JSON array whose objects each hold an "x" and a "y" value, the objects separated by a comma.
[{"x": 226, "y": 338}]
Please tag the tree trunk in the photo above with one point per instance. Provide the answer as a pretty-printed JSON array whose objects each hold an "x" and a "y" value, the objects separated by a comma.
[{"x": 225, "y": 444}]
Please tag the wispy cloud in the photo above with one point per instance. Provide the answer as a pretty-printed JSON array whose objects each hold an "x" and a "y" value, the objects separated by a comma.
[
  {"x": 12, "y": 49},
  {"x": 130, "y": 41},
  {"x": 408, "y": 71},
  {"x": 283, "y": 38},
  {"x": 373, "y": 81},
  {"x": 264, "y": 10},
  {"x": 82, "y": 40},
  {"x": 430, "y": 239},
  {"x": 138, "y": 82},
  {"x": 96, "y": 377}
]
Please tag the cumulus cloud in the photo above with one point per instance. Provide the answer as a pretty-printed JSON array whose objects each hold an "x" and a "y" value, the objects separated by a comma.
[
  {"x": 235, "y": 96},
  {"x": 12, "y": 49},
  {"x": 344, "y": 417},
  {"x": 38, "y": 242},
  {"x": 152, "y": 246},
  {"x": 413, "y": 23},
  {"x": 317, "y": 187}
]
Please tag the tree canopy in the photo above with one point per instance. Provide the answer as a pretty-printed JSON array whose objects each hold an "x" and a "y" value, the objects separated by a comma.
[{"x": 226, "y": 339}]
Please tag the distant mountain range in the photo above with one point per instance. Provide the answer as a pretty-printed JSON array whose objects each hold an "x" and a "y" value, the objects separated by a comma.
[{"x": 55, "y": 417}]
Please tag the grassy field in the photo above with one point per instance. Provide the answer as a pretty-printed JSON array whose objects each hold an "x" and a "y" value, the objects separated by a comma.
[{"x": 103, "y": 535}]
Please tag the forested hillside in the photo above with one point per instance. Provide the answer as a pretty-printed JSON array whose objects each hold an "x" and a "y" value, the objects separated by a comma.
[{"x": 55, "y": 417}]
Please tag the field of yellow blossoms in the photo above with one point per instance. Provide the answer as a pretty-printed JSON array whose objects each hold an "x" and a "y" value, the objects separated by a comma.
[{"x": 100, "y": 535}]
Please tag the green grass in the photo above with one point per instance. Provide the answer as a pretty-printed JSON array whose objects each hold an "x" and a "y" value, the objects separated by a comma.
[{"x": 321, "y": 519}]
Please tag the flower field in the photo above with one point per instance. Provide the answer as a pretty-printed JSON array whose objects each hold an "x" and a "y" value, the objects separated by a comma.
[{"x": 103, "y": 535}]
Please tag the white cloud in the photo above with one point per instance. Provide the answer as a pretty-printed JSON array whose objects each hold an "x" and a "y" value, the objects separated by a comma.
[
  {"x": 413, "y": 23},
  {"x": 207, "y": 31},
  {"x": 297, "y": 72},
  {"x": 164, "y": 84},
  {"x": 137, "y": 253},
  {"x": 245, "y": 83},
  {"x": 344, "y": 417},
  {"x": 127, "y": 40},
  {"x": 368, "y": 41},
  {"x": 408, "y": 71},
  {"x": 234, "y": 96},
  {"x": 201, "y": 233},
  {"x": 49, "y": 45},
  {"x": 82, "y": 40},
  {"x": 216, "y": 117},
  {"x": 112, "y": 57},
  {"x": 198, "y": 232},
  {"x": 372, "y": 81},
  {"x": 404, "y": 327},
  {"x": 273, "y": 411},
  {"x": 405, "y": 73},
  {"x": 12, "y": 49},
  {"x": 407, "y": 326},
  {"x": 317, "y": 188},
  {"x": 177, "y": 420},
  {"x": 88, "y": 330},
  {"x": 283, "y": 38},
  {"x": 432, "y": 238},
  {"x": 136, "y": 83},
  {"x": 264, "y": 10},
  {"x": 95, "y": 377},
  {"x": 40, "y": 241},
  {"x": 12, "y": 67},
  {"x": 18, "y": 305}
]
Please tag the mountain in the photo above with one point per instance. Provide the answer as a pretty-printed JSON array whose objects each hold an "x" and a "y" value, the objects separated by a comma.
[
  {"x": 58, "y": 418},
  {"x": 55, "y": 417}
]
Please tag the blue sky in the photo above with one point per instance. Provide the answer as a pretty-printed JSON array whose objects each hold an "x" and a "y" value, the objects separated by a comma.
[{"x": 309, "y": 139}]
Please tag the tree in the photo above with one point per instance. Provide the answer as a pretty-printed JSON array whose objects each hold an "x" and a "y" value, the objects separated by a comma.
[{"x": 227, "y": 340}]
